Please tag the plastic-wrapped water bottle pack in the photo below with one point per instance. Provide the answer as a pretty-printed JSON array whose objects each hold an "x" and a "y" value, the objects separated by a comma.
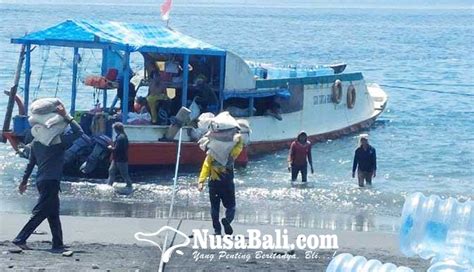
[
  {"x": 345, "y": 262},
  {"x": 431, "y": 228}
]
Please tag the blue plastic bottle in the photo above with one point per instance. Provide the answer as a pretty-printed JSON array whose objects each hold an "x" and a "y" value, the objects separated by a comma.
[
  {"x": 345, "y": 262},
  {"x": 432, "y": 227}
]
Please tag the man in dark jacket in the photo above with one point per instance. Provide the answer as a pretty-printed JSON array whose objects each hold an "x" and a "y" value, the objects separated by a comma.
[
  {"x": 365, "y": 161},
  {"x": 119, "y": 156},
  {"x": 50, "y": 161},
  {"x": 132, "y": 93}
]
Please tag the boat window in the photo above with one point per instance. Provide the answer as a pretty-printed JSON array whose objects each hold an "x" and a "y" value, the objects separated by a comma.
[
  {"x": 295, "y": 102},
  {"x": 275, "y": 105},
  {"x": 238, "y": 107}
]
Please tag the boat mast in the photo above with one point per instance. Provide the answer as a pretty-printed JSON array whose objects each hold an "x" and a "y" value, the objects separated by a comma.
[
  {"x": 184, "y": 95},
  {"x": 125, "y": 87},
  {"x": 75, "y": 60},
  {"x": 221, "y": 82},
  {"x": 27, "y": 77}
]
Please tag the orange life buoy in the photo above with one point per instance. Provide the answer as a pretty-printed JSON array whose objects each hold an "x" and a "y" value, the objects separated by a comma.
[
  {"x": 19, "y": 103},
  {"x": 336, "y": 91},
  {"x": 351, "y": 96},
  {"x": 100, "y": 82}
]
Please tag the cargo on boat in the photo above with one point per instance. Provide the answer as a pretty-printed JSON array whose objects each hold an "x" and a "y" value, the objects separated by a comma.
[{"x": 181, "y": 73}]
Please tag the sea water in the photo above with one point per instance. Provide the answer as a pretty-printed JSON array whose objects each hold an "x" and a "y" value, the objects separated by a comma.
[{"x": 422, "y": 57}]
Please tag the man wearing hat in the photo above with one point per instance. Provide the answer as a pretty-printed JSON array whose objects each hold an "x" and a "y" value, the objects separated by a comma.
[{"x": 365, "y": 161}]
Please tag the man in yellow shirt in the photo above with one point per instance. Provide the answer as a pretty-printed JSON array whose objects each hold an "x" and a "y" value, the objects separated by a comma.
[{"x": 221, "y": 187}]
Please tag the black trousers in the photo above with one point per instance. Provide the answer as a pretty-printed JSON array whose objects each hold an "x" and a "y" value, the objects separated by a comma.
[
  {"x": 365, "y": 175},
  {"x": 222, "y": 190},
  {"x": 295, "y": 169},
  {"x": 46, "y": 208}
]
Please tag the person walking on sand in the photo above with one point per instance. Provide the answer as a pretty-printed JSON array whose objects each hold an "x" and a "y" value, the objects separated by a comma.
[
  {"x": 365, "y": 161},
  {"x": 299, "y": 157},
  {"x": 50, "y": 161},
  {"x": 119, "y": 156},
  {"x": 221, "y": 187}
]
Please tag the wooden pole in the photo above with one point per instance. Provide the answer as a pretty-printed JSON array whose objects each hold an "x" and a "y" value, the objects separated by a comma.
[{"x": 13, "y": 91}]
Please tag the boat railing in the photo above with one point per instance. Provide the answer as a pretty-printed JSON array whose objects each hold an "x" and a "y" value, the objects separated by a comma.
[{"x": 266, "y": 71}]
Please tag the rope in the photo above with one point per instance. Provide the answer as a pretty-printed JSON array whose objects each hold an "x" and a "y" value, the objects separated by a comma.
[
  {"x": 425, "y": 90},
  {"x": 96, "y": 94},
  {"x": 45, "y": 58},
  {"x": 59, "y": 73},
  {"x": 95, "y": 58},
  {"x": 162, "y": 264},
  {"x": 83, "y": 68}
]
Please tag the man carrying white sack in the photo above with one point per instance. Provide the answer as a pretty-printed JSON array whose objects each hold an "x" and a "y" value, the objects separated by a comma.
[
  {"x": 46, "y": 123},
  {"x": 50, "y": 161},
  {"x": 223, "y": 145}
]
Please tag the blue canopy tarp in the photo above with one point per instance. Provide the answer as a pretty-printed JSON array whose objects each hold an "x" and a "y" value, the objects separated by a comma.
[{"x": 123, "y": 36}]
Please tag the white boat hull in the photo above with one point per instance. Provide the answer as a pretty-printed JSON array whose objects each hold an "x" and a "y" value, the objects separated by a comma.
[{"x": 320, "y": 118}]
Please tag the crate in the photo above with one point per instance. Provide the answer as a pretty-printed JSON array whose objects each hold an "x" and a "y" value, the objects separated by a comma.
[{"x": 20, "y": 125}]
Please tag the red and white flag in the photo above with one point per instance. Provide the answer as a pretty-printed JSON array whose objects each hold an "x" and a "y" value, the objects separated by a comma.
[{"x": 165, "y": 9}]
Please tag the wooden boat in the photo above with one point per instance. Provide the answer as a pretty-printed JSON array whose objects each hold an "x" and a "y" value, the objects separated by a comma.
[{"x": 277, "y": 102}]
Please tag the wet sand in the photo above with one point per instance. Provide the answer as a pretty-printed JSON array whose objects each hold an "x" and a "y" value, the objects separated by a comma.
[{"x": 105, "y": 243}]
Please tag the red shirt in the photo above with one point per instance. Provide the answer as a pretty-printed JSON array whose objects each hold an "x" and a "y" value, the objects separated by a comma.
[{"x": 299, "y": 152}]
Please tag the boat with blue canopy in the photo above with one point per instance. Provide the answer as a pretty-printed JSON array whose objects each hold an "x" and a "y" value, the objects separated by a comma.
[{"x": 180, "y": 82}]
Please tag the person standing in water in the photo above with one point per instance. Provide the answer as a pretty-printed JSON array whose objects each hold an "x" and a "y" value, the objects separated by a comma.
[
  {"x": 50, "y": 162},
  {"x": 221, "y": 187},
  {"x": 365, "y": 161},
  {"x": 119, "y": 156},
  {"x": 299, "y": 157}
]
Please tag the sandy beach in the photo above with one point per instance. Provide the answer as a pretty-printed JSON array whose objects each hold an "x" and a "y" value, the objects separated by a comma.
[{"x": 108, "y": 244}]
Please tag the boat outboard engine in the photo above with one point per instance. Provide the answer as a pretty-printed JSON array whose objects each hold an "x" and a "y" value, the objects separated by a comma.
[
  {"x": 81, "y": 147},
  {"x": 99, "y": 156},
  {"x": 24, "y": 148}
]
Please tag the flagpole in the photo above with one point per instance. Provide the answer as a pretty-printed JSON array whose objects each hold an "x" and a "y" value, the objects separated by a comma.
[{"x": 165, "y": 9}]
